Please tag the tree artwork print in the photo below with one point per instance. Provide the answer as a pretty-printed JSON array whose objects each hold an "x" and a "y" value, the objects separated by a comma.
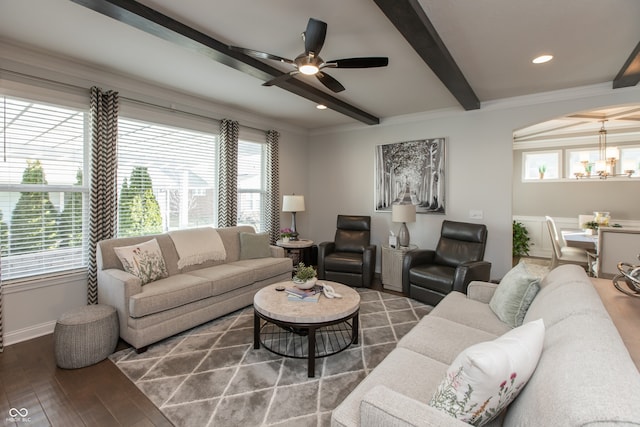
[{"x": 411, "y": 172}]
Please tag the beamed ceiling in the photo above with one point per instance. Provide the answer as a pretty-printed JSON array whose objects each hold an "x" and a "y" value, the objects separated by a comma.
[{"x": 442, "y": 54}]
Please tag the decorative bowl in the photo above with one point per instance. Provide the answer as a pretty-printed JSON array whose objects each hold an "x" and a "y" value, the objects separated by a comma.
[{"x": 305, "y": 284}]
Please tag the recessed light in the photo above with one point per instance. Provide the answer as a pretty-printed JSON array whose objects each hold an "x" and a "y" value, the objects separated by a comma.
[
  {"x": 321, "y": 107},
  {"x": 542, "y": 59}
]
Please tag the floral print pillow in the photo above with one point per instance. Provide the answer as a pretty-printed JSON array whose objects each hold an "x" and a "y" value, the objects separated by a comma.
[
  {"x": 486, "y": 377},
  {"x": 143, "y": 260}
]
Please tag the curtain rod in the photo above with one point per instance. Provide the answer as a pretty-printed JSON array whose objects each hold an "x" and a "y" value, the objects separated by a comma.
[{"x": 132, "y": 100}]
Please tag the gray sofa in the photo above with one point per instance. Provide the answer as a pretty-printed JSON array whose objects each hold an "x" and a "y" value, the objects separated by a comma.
[
  {"x": 191, "y": 295},
  {"x": 585, "y": 375}
]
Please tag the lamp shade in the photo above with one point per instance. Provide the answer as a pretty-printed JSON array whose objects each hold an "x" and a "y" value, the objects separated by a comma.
[
  {"x": 292, "y": 203},
  {"x": 403, "y": 213}
]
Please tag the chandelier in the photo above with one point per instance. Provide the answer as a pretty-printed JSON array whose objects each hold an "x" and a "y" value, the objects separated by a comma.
[{"x": 605, "y": 166}]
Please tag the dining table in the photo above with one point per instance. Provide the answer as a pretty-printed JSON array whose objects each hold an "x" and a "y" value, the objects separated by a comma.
[{"x": 580, "y": 239}]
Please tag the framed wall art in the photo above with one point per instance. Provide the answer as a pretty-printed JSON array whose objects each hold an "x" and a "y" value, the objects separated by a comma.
[{"x": 411, "y": 172}]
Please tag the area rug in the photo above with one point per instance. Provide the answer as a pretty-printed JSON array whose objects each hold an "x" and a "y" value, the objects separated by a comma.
[{"x": 212, "y": 376}]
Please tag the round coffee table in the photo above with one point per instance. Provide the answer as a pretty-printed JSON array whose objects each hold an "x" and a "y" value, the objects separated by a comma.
[{"x": 291, "y": 328}]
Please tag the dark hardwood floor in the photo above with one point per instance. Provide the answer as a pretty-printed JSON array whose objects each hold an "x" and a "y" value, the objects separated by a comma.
[
  {"x": 98, "y": 395},
  {"x": 95, "y": 396}
]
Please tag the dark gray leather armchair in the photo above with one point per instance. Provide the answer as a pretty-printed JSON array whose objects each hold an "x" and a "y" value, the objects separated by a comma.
[
  {"x": 429, "y": 275},
  {"x": 350, "y": 259}
]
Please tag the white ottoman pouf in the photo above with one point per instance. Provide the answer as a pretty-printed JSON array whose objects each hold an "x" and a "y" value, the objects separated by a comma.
[{"x": 85, "y": 336}]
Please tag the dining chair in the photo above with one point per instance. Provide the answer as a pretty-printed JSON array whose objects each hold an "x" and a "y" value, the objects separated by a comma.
[
  {"x": 562, "y": 254},
  {"x": 616, "y": 245}
]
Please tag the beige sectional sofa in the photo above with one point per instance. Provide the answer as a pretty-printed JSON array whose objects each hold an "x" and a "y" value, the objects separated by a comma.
[
  {"x": 190, "y": 295},
  {"x": 584, "y": 376}
]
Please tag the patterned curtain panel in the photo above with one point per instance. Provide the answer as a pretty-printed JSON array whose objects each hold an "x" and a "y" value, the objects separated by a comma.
[
  {"x": 228, "y": 190},
  {"x": 103, "y": 201},
  {"x": 1, "y": 328},
  {"x": 272, "y": 216}
]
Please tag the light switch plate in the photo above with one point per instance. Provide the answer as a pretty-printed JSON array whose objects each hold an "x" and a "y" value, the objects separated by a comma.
[{"x": 476, "y": 214}]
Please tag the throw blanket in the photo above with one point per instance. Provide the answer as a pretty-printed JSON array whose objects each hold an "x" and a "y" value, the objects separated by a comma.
[{"x": 197, "y": 245}]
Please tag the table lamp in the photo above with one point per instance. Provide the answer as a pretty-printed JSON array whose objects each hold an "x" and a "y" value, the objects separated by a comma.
[
  {"x": 403, "y": 213},
  {"x": 293, "y": 204}
]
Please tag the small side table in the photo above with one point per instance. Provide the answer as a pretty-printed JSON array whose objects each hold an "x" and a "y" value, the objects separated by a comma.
[
  {"x": 392, "y": 266},
  {"x": 298, "y": 250}
]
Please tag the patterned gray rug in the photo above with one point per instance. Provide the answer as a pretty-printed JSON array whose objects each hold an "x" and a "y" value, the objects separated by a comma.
[{"x": 212, "y": 376}]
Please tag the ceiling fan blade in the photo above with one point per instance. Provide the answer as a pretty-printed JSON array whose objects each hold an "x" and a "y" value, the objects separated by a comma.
[
  {"x": 367, "y": 62},
  {"x": 281, "y": 78},
  {"x": 329, "y": 82},
  {"x": 261, "y": 55},
  {"x": 314, "y": 36}
]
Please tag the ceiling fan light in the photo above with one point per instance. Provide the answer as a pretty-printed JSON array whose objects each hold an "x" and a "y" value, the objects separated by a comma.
[
  {"x": 542, "y": 59},
  {"x": 308, "y": 69}
]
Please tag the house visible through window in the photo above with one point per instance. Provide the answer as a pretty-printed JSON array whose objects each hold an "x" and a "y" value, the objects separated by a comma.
[
  {"x": 167, "y": 178},
  {"x": 43, "y": 191}
]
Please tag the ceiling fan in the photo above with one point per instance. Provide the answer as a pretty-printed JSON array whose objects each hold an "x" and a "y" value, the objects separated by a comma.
[{"x": 310, "y": 63}]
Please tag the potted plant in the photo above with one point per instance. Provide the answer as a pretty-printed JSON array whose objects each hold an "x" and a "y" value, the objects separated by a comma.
[
  {"x": 541, "y": 170},
  {"x": 285, "y": 234},
  {"x": 590, "y": 227},
  {"x": 305, "y": 276},
  {"x": 520, "y": 241}
]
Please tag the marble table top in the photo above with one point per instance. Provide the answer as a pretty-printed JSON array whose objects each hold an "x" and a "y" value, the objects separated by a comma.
[{"x": 275, "y": 304}]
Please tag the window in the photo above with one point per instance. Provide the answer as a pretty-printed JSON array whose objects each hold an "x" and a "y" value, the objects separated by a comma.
[
  {"x": 166, "y": 178},
  {"x": 251, "y": 184},
  {"x": 630, "y": 160},
  {"x": 582, "y": 161},
  {"x": 43, "y": 191},
  {"x": 541, "y": 165}
]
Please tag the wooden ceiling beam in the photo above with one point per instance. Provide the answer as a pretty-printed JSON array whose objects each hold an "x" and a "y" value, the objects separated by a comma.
[
  {"x": 412, "y": 22},
  {"x": 153, "y": 22},
  {"x": 629, "y": 74}
]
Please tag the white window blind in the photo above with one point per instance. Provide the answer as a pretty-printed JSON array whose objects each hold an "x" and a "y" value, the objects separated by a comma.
[
  {"x": 43, "y": 191},
  {"x": 251, "y": 184},
  {"x": 167, "y": 178}
]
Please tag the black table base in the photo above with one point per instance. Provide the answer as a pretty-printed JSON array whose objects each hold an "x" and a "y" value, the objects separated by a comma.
[{"x": 295, "y": 339}]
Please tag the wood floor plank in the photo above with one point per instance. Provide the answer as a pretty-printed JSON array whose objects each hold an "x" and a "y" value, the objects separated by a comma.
[{"x": 95, "y": 396}]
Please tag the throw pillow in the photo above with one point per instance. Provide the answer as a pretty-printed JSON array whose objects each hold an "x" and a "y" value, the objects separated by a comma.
[
  {"x": 143, "y": 260},
  {"x": 254, "y": 245},
  {"x": 514, "y": 295},
  {"x": 486, "y": 377}
]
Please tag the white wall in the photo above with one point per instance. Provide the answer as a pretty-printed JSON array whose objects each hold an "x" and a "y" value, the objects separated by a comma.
[{"x": 479, "y": 165}]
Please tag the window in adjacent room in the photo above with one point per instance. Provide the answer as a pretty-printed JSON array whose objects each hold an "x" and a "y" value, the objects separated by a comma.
[
  {"x": 167, "y": 178},
  {"x": 541, "y": 165},
  {"x": 43, "y": 188},
  {"x": 630, "y": 160}
]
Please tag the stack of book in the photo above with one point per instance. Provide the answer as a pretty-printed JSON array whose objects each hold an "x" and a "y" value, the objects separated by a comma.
[{"x": 307, "y": 295}]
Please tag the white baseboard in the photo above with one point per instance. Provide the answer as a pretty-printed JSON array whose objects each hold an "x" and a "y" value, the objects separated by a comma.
[{"x": 31, "y": 332}]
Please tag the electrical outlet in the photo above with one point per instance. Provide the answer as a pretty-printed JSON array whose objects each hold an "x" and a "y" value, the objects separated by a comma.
[{"x": 476, "y": 214}]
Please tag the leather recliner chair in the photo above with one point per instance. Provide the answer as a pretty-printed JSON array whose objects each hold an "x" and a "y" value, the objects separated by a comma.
[
  {"x": 350, "y": 259},
  {"x": 429, "y": 275}
]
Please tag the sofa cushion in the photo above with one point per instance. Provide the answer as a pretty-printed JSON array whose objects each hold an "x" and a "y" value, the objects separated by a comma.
[
  {"x": 514, "y": 295},
  {"x": 441, "y": 339},
  {"x": 226, "y": 277},
  {"x": 563, "y": 294},
  {"x": 168, "y": 293},
  {"x": 266, "y": 268},
  {"x": 486, "y": 377},
  {"x": 404, "y": 371},
  {"x": 143, "y": 260},
  {"x": 585, "y": 377},
  {"x": 460, "y": 309},
  {"x": 254, "y": 245}
]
